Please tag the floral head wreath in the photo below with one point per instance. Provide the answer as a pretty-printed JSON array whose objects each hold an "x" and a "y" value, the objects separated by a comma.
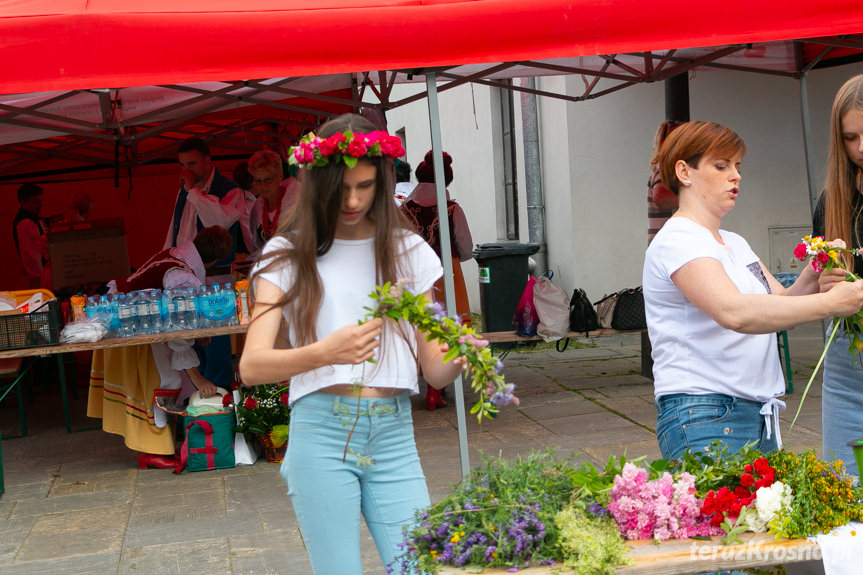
[{"x": 346, "y": 147}]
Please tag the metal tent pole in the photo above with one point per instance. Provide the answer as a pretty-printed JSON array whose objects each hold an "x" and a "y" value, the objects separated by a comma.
[
  {"x": 807, "y": 143},
  {"x": 446, "y": 249}
]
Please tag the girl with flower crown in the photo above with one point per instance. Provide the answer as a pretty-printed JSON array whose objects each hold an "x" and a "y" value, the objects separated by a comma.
[
  {"x": 344, "y": 237},
  {"x": 838, "y": 215},
  {"x": 713, "y": 307}
]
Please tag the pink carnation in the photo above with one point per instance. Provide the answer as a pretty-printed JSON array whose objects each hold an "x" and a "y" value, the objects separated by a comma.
[{"x": 659, "y": 509}]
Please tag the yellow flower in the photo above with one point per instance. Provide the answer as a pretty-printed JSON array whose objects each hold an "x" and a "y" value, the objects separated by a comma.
[
  {"x": 832, "y": 254},
  {"x": 434, "y": 554},
  {"x": 853, "y": 533},
  {"x": 454, "y": 539},
  {"x": 491, "y": 528}
]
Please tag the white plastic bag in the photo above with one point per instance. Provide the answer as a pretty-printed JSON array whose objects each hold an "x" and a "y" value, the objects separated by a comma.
[
  {"x": 552, "y": 307},
  {"x": 244, "y": 454}
]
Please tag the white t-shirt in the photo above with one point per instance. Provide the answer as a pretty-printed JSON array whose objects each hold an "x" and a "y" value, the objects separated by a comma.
[
  {"x": 348, "y": 277},
  {"x": 692, "y": 353}
]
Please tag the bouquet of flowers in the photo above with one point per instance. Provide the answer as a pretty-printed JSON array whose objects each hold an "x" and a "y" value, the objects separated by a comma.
[
  {"x": 824, "y": 258},
  {"x": 263, "y": 410}
]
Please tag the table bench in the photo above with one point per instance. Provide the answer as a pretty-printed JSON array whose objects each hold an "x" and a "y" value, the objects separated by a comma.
[{"x": 506, "y": 341}]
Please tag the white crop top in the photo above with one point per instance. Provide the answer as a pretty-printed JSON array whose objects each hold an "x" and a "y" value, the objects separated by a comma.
[{"x": 348, "y": 277}]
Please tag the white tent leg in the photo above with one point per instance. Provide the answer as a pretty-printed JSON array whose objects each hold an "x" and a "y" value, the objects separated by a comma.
[
  {"x": 807, "y": 143},
  {"x": 446, "y": 249}
]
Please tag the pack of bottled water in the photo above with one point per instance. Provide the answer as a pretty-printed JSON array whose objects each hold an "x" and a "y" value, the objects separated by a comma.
[{"x": 155, "y": 311}]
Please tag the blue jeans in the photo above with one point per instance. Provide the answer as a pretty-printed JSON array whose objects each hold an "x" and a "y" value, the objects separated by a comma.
[
  {"x": 685, "y": 421},
  {"x": 328, "y": 495},
  {"x": 841, "y": 403}
]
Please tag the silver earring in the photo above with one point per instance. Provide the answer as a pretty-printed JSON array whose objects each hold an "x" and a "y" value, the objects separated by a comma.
[{"x": 687, "y": 183}]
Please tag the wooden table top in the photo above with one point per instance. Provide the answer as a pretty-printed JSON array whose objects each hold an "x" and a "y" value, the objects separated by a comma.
[{"x": 124, "y": 341}]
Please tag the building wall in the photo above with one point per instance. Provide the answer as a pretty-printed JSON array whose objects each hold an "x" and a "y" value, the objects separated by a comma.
[{"x": 595, "y": 158}]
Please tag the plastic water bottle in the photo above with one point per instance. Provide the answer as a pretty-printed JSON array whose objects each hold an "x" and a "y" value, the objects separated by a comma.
[
  {"x": 114, "y": 318},
  {"x": 232, "y": 311},
  {"x": 177, "y": 310},
  {"x": 92, "y": 308},
  {"x": 154, "y": 298},
  {"x": 126, "y": 315},
  {"x": 204, "y": 313},
  {"x": 144, "y": 321},
  {"x": 192, "y": 319}
]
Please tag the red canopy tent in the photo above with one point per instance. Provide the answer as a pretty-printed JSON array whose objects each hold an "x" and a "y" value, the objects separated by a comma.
[
  {"x": 65, "y": 64},
  {"x": 53, "y": 45}
]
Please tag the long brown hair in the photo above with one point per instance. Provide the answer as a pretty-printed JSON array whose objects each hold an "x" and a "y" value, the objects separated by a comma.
[
  {"x": 842, "y": 173},
  {"x": 311, "y": 226}
]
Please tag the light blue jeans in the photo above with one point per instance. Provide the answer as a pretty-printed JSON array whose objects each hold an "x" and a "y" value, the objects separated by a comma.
[
  {"x": 685, "y": 421},
  {"x": 841, "y": 403},
  {"x": 328, "y": 496}
]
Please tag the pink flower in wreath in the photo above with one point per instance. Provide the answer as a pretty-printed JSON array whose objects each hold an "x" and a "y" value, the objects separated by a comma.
[
  {"x": 250, "y": 403},
  {"x": 304, "y": 154}
]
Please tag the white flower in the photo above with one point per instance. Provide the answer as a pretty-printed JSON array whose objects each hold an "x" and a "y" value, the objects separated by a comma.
[{"x": 769, "y": 501}]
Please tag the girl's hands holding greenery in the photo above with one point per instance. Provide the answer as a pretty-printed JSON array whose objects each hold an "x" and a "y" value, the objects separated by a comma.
[
  {"x": 353, "y": 344},
  {"x": 461, "y": 344}
]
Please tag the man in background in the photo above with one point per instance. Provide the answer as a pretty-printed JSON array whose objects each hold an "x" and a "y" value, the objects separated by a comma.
[
  {"x": 28, "y": 231},
  {"x": 207, "y": 198}
]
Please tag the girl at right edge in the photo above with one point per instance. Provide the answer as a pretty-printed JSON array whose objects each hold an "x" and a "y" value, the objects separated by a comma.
[{"x": 838, "y": 215}]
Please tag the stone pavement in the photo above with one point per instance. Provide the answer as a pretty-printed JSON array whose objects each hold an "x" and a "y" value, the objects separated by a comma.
[{"x": 76, "y": 503}]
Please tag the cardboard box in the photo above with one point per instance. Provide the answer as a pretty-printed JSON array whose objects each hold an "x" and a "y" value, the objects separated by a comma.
[{"x": 95, "y": 253}]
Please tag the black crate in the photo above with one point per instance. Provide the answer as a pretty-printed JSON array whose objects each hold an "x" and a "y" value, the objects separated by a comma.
[{"x": 35, "y": 329}]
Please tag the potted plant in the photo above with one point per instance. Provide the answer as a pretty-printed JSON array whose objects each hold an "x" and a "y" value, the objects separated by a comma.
[{"x": 263, "y": 413}]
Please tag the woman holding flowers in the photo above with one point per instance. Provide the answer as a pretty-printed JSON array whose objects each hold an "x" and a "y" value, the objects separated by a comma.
[
  {"x": 345, "y": 237},
  {"x": 713, "y": 308},
  {"x": 838, "y": 215}
]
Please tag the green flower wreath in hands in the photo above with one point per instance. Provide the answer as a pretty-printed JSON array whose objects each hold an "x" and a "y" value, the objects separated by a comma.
[{"x": 485, "y": 370}]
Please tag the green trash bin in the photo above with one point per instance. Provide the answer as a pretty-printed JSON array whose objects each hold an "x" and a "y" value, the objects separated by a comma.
[{"x": 503, "y": 273}]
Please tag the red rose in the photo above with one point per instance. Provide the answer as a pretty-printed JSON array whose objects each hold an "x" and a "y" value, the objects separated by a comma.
[
  {"x": 284, "y": 399},
  {"x": 742, "y": 492},
  {"x": 357, "y": 148},
  {"x": 747, "y": 468},
  {"x": 328, "y": 148},
  {"x": 760, "y": 464},
  {"x": 235, "y": 385},
  {"x": 227, "y": 400},
  {"x": 250, "y": 403},
  {"x": 709, "y": 506},
  {"x": 735, "y": 510},
  {"x": 746, "y": 480},
  {"x": 822, "y": 258},
  {"x": 717, "y": 520}
]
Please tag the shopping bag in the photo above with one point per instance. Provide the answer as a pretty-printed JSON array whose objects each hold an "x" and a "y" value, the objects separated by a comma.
[
  {"x": 552, "y": 308},
  {"x": 526, "y": 319},
  {"x": 623, "y": 310},
  {"x": 582, "y": 316},
  {"x": 209, "y": 442}
]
